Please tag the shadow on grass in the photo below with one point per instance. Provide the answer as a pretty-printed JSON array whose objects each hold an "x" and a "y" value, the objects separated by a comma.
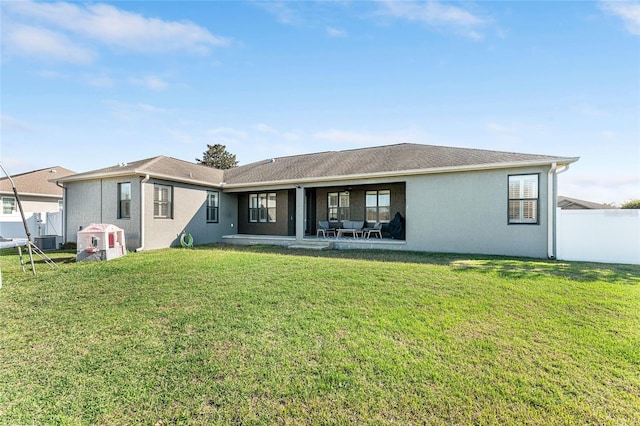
[{"x": 507, "y": 267}]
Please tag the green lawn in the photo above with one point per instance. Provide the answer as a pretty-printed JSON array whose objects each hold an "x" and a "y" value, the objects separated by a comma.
[{"x": 266, "y": 335}]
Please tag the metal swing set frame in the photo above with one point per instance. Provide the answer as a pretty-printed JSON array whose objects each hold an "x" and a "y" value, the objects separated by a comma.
[{"x": 31, "y": 247}]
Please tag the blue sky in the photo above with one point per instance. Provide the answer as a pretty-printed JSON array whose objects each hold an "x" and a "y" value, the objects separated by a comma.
[{"x": 89, "y": 85}]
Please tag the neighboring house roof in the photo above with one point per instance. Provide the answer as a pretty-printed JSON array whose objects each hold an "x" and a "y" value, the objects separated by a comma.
[
  {"x": 381, "y": 161},
  {"x": 159, "y": 167},
  {"x": 389, "y": 160},
  {"x": 36, "y": 182},
  {"x": 575, "y": 204}
]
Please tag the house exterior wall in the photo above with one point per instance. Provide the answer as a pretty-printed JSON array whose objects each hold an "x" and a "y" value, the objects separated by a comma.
[
  {"x": 97, "y": 202},
  {"x": 35, "y": 204},
  {"x": 282, "y": 225},
  {"x": 468, "y": 213},
  {"x": 189, "y": 215}
]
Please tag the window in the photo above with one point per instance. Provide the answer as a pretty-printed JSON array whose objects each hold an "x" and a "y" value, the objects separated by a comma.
[
  {"x": 8, "y": 205},
  {"x": 212, "y": 206},
  {"x": 338, "y": 206},
  {"x": 262, "y": 207},
  {"x": 523, "y": 199},
  {"x": 162, "y": 201},
  {"x": 378, "y": 205},
  {"x": 124, "y": 200}
]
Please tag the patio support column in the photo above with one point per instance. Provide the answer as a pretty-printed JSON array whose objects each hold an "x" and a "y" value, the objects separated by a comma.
[{"x": 299, "y": 212}]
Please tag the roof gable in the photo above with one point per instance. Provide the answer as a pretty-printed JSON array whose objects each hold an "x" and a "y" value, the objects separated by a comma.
[
  {"x": 36, "y": 182},
  {"x": 160, "y": 167}
]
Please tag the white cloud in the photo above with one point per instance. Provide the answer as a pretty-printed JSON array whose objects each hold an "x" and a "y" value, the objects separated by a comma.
[
  {"x": 289, "y": 136},
  {"x": 133, "y": 112},
  {"x": 227, "y": 133},
  {"x": 101, "y": 81},
  {"x": 600, "y": 188},
  {"x": 342, "y": 136},
  {"x": 264, "y": 128},
  {"x": 13, "y": 125},
  {"x": 343, "y": 139},
  {"x": 150, "y": 82},
  {"x": 336, "y": 33},
  {"x": 27, "y": 40},
  {"x": 111, "y": 26},
  {"x": 628, "y": 11},
  {"x": 435, "y": 14},
  {"x": 283, "y": 13}
]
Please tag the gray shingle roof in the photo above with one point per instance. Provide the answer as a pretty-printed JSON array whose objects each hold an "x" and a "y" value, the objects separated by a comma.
[
  {"x": 568, "y": 202},
  {"x": 158, "y": 167},
  {"x": 36, "y": 182},
  {"x": 390, "y": 158}
]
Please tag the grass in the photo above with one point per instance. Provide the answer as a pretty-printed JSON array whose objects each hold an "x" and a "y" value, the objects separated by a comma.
[{"x": 264, "y": 335}]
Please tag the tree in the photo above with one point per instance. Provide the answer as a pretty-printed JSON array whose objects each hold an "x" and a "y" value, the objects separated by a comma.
[
  {"x": 633, "y": 204},
  {"x": 217, "y": 156}
]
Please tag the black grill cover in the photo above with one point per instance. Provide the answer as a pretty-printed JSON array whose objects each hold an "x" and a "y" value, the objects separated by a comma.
[{"x": 396, "y": 227}]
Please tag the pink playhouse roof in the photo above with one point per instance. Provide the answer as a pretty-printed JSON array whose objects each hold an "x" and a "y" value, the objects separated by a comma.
[{"x": 99, "y": 228}]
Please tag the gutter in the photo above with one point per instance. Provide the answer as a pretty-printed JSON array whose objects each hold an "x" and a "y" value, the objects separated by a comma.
[
  {"x": 551, "y": 207},
  {"x": 142, "y": 182}
]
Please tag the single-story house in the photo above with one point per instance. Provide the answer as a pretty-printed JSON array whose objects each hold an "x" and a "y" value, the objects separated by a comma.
[
  {"x": 450, "y": 199},
  {"x": 37, "y": 190},
  {"x": 41, "y": 201},
  {"x": 568, "y": 203}
]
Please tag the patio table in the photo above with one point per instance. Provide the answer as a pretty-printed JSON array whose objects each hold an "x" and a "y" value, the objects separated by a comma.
[{"x": 352, "y": 231}]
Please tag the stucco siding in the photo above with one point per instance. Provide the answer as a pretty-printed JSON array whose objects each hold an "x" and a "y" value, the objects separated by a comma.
[
  {"x": 34, "y": 204},
  {"x": 467, "y": 213},
  {"x": 97, "y": 202},
  {"x": 189, "y": 215}
]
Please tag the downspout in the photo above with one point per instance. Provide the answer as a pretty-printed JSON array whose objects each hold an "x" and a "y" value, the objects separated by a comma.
[
  {"x": 551, "y": 210},
  {"x": 64, "y": 211},
  {"x": 142, "y": 182}
]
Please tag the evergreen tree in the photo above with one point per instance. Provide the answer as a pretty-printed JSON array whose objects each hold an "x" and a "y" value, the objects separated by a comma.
[
  {"x": 218, "y": 157},
  {"x": 633, "y": 204}
]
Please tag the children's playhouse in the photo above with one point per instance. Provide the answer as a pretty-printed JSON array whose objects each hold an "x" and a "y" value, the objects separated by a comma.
[{"x": 100, "y": 241}]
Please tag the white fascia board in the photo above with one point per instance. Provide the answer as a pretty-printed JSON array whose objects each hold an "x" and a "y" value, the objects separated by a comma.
[
  {"x": 282, "y": 184},
  {"x": 171, "y": 178},
  {"x": 140, "y": 173},
  {"x": 30, "y": 194}
]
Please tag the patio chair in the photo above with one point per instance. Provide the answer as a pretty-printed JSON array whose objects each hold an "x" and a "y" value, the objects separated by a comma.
[
  {"x": 325, "y": 229},
  {"x": 376, "y": 230}
]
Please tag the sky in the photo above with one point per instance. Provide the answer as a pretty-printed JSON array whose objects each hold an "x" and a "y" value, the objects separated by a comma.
[{"x": 87, "y": 85}]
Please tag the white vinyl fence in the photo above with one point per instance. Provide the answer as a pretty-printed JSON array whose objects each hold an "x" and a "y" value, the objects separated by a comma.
[
  {"x": 40, "y": 224},
  {"x": 611, "y": 235}
]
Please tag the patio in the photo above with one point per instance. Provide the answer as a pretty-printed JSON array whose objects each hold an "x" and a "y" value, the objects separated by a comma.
[{"x": 344, "y": 243}]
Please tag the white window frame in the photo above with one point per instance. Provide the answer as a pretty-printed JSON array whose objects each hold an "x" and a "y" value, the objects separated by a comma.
[
  {"x": 12, "y": 204},
  {"x": 523, "y": 199},
  {"x": 162, "y": 201}
]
